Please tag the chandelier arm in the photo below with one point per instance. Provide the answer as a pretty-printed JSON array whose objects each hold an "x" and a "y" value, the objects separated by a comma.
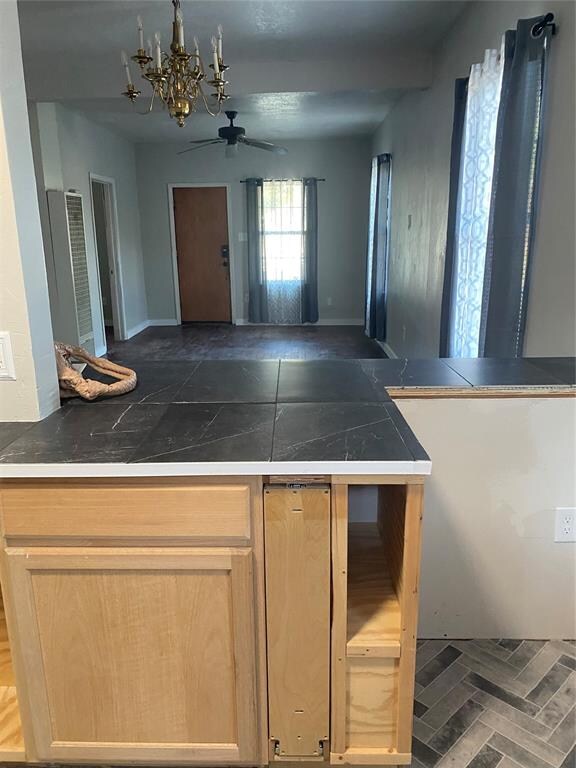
[
  {"x": 205, "y": 100},
  {"x": 149, "y": 110}
]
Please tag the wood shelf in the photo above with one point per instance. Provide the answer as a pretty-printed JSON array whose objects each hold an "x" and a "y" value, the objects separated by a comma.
[
  {"x": 373, "y": 607},
  {"x": 11, "y": 739}
]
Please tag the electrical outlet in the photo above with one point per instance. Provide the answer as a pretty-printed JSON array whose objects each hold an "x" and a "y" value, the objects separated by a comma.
[
  {"x": 7, "y": 370},
  {"x": 565, "y": 526}
]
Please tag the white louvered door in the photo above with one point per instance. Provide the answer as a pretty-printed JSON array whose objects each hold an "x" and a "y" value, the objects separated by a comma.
[{"x": 77, "y": 242}]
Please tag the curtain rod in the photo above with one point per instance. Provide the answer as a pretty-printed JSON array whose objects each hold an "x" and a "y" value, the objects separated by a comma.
[{"x": 243, "y": 181}]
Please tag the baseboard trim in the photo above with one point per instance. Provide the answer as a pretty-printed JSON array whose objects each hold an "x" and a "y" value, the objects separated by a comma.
[
  {"x": 388, "y": 349},
  {"x": 136, "y": 329},
  {"x": 355, "y": 322},
  {"x": 148, "y": 324}
]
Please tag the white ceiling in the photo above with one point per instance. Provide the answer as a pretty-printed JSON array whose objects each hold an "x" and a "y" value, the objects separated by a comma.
[{"x": 303, "y": 68}]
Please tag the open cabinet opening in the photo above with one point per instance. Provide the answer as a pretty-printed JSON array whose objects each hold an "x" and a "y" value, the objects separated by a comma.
[
  {"x": 11, "y": 740},
  {"x": 373, "y": 638},
  {"x": 375, "y": 547}
]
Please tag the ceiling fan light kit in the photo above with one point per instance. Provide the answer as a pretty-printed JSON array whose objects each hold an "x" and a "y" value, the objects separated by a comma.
[
  {"x": 234, "y": 135},
  {"x": 177, "y": 78}
]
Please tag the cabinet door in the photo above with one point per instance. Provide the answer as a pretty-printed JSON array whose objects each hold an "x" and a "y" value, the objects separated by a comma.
[{"x": 138, "y": 654}]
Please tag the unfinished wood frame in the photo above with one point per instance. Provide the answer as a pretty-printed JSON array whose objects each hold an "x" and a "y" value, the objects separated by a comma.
[
  {"x": 375, "y": 571},
  {"x": 297, "y": 530}
]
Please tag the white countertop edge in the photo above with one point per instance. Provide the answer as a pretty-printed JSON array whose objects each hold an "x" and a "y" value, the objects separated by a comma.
[{"x": 194, "y": 469}]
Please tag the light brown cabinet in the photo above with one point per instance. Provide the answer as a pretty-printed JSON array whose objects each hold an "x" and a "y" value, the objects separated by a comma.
[
  {"x": 208, "y": 622},
  {"x": 145, "y": 654}
]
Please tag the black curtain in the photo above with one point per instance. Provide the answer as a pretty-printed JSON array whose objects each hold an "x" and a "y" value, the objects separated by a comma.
[
  {"x": 460, "y": 95},
  {"x": 257, "y": 294},
  {"x": 378, "y": 246},
  {"x": 309, "y": 304},
  {"x": 514, "y": 194}
]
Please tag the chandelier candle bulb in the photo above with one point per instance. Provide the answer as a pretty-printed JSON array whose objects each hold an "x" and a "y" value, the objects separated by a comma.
[
  {"x": 220, "y": 42},
  {"x": 140, "y": 32},
  {"x": 197, "y": 50},
  {"x": 158, "y": 51},
  {"x": 180, "y": 28},
  {"x": 150, "y": 50},
  {"x": 215, "y": 56},
  {"x": 126, "y": 66}
]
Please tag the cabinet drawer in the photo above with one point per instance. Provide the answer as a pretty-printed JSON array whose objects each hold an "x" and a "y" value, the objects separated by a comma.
[{"x": 113, "y": 510}]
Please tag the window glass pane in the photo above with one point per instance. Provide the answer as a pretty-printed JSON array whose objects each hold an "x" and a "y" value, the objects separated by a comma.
[{"x": 283, "y": 234}]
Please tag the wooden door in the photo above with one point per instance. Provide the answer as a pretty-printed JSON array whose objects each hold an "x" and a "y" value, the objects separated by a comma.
[
  {"x": 138, "y": 654},
  {"x": 201, "y": 227}
]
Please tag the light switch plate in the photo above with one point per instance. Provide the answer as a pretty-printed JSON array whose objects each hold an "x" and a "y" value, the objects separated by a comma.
[
  {"x": 7, "y": 370},
  {"x": 565, "y": 524}
]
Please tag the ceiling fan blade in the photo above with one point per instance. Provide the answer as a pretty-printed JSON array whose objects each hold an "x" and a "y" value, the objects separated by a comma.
[
  {"x": 267, "y": 145},
  {"x": 201, "y": 143}
]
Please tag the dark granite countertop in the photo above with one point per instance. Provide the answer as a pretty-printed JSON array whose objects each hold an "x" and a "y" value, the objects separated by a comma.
[
  {"x": 262, "y": 413},
  {"x": 229, "y": 412}
]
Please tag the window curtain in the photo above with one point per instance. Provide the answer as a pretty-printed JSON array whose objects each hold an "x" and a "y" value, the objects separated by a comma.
[
  {"x": 514, "y": 194},
  {"x": 493, "y": 178},
  {"x": 473, "y": 206},
  {"x": 257, "y": 293},
  {"x": 460, "y": 95},
  {"x": 309, "y": 303},
  {"x": 378, "y": 247}
]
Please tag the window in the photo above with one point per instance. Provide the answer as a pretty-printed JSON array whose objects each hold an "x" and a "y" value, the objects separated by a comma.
[
  {"x": 496, "y": 146},
  {"x": 474, "y": 199},
  {"x": 378, "y": 247},
  {"x": 283, "y": 230}
]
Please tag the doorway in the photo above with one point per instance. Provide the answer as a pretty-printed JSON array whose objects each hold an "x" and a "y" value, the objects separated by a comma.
[
  {"x": 202, "y": 251},
  {"x": 103, "y": 192}
]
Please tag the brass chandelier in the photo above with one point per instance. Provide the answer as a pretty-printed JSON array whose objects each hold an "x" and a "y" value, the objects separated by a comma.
[{"x": 177, "y": 78}]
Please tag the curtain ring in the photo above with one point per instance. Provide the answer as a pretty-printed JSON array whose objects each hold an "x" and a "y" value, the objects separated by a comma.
[{"x": 540, "y": 26}]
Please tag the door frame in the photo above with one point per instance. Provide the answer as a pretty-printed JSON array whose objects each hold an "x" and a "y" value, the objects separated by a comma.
[
  {"x": 114, "y": 257},
  {"x": 231, "y": 260}
]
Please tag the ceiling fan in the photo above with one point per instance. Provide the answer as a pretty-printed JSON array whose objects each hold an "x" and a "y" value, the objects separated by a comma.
[{"x": 233, "y": 135}]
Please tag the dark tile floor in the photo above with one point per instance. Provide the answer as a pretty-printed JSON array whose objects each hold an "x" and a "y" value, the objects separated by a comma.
[{"x": 228, "y": 342}]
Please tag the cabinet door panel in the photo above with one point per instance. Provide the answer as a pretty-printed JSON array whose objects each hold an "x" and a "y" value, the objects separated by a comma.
[{"x": 139, "y": 654}]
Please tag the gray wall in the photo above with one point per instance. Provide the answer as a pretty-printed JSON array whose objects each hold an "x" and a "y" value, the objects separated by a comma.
[
  {"x": 343, "y": 215},
  {"x": 418, "y": 132},
  {"x": 24, "y": 305},
  {"x": 72, "y": 148}
]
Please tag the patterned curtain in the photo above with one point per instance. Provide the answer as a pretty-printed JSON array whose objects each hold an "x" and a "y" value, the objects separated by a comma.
[{"x": 474, "y": 201}]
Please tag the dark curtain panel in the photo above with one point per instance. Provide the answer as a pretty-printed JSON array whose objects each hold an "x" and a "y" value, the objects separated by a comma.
[
  {"x": 460, "y": 94},
  {"x": 513, "y": 209},
  {"x": 377, "y": 261},
  {"x": 310, "y": 252},
  {"x": 257, "y": 291}
]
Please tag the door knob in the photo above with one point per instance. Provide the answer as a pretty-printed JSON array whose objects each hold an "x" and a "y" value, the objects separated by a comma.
[{"x": 225, "y": 253}]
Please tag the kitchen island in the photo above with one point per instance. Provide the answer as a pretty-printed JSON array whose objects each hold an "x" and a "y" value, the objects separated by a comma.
[
  {"x": 186, "y": 579},
  {"x": 189, "y": 576}
]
